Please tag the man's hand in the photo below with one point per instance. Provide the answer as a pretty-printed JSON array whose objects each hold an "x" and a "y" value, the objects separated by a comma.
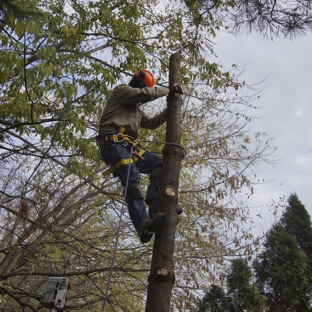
[{"x": 175, "y": 89}]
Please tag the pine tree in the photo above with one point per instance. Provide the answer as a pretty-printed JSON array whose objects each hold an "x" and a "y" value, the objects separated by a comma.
[
  {"x": 242, "y": 294},
  {"x": 297, "y": 222},
  {"x": 215, "y": 300},
  {"x": 281, "y": 272}
]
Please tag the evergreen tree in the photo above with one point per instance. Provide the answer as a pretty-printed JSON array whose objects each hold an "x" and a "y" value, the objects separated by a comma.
[
  {"x": 214, "y": 300},
  {"x": 281, "y": 272},
  {"x": 297, "y": 222},
  {"x": 242, "y": 294}
]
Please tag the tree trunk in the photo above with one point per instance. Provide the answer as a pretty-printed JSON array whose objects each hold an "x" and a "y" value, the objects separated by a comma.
[{"x": 161, "y": 278}]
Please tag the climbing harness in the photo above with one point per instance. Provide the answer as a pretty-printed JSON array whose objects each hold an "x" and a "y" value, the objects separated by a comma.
[
  {"x": 116, "y": 242},
  {"x": 120, "y": 137}
]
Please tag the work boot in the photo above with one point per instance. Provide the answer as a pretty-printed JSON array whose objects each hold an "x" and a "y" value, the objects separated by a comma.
[
  {"x": 152, "y": 208},
  {"x": 149, "y": 227}
]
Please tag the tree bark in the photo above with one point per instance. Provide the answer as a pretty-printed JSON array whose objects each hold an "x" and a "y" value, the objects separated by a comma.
[{"x": 161, "y": 278}]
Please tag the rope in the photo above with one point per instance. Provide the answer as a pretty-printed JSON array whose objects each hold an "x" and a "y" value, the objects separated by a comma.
[{"x": 116, "y": 241}]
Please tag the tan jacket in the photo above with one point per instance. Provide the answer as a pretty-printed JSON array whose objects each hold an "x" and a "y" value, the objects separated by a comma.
[{"x": 122, "y": 110}]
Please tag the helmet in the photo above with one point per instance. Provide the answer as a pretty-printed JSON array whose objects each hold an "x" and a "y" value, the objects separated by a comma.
[{"x": 142, "y": 78}]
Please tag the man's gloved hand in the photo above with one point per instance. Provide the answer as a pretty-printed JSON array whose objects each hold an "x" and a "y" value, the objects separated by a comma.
[{"x": 175, "y": 89}]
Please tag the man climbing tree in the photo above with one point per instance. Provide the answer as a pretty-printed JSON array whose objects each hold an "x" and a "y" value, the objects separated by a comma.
[{"x": 119, "y": 128}]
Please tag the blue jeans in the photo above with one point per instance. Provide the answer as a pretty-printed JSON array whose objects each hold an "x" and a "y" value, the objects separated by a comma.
[{"x": 111, "y": 154}]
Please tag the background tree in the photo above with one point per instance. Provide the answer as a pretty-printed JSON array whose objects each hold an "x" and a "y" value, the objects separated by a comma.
[
  {"x": 281, "y": 272},
  {"x": 242, "y": 294},
  {"x": 297, "y": 222},
  {"x": 215, "y": 300}
]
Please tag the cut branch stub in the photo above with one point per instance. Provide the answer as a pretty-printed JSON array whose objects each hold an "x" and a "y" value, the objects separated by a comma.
[
  {"x": 163, "y": 272},
  {"x": 170, "y": 192}
]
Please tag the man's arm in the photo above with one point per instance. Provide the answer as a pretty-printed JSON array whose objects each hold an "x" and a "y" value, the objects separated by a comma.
[
  {"x": 129, "y": 95},
  {"x": 153, "y": 122}
]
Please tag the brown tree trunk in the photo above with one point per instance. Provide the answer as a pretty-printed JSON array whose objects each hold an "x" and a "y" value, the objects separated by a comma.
[{"x": 161, "y": 278}]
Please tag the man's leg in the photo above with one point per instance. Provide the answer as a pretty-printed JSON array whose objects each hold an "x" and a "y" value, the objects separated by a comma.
[
  {"x": 153, "y": 165},
  {"x": 134, "y": 194},
  {"x": 136, "y": 206},
  {"x": 113, "y": 153},
  {"x": 154, "y": 190},
  {"x": 145, "y": 226}
]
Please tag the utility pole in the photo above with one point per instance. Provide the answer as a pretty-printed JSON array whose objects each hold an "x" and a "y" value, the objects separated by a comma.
[{"x": 161, "y": 278}]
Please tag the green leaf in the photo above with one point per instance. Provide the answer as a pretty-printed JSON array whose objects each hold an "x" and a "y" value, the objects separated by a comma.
[{"x": 20, "y": 27}]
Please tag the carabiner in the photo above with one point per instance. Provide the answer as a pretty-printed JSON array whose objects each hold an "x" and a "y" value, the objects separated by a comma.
[{"x": 119, "y": 138}]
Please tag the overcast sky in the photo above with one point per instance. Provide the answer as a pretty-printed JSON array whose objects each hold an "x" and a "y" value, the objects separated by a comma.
[{"x": 287, "y": 110}]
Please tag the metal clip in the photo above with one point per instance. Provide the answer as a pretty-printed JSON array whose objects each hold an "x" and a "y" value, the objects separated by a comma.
[{"x": 119, "y": 138}]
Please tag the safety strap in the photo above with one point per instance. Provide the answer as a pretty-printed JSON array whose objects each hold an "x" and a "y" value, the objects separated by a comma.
[
  {"x": 123, "y": 162},
  {"x": 120, "y": 163}
]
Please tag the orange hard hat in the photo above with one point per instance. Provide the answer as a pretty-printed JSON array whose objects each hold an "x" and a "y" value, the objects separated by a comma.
[{"x": 146, "y": 76}]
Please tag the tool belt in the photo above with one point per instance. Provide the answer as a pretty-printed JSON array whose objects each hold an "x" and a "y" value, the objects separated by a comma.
[{"x": 125, "y": 140}]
